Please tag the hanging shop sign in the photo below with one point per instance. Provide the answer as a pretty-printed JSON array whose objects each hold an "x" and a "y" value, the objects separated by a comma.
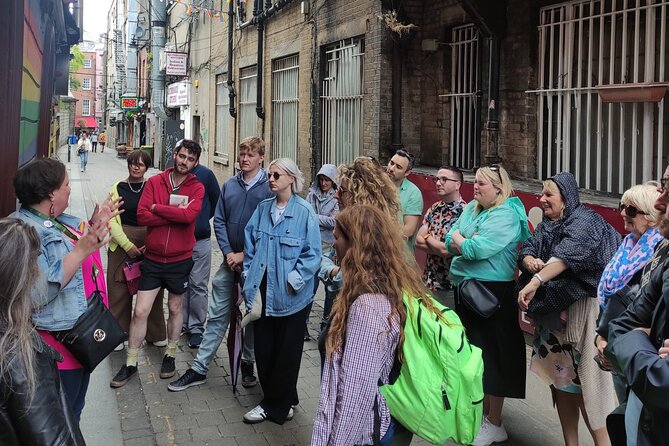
[
  {"x": 129, "y": 103},
  {"x": 177, "y": 94},
  {"x": 176, "y": 64}
]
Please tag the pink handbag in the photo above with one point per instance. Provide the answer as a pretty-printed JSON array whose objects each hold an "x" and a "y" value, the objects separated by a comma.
[{"x": 132, "y": 272}]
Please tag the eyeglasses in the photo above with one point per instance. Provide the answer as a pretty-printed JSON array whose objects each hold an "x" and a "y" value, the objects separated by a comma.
[
  {"x": 630, "y": 210},
  {"x": 443, "y": 180},
  {"x": 275, "y": 175}
]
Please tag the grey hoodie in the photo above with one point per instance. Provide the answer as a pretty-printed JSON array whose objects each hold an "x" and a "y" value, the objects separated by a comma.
[{"x": 324, "y": 204}]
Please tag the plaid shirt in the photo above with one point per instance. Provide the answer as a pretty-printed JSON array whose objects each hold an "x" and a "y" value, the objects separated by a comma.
[{"x": 345, "y": 413}]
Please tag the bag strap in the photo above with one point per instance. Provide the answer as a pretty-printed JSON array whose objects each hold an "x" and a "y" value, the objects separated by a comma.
[{"x": 376, "y": 433}]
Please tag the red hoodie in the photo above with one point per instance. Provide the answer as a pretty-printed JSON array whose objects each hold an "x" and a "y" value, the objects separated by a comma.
[{"x": 170, "y": 234}]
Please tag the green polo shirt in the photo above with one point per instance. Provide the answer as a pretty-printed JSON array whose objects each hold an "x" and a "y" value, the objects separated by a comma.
[{"x": 411, "y": 200}]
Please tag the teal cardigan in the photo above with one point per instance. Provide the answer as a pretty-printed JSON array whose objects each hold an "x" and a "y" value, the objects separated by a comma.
[{"x": 491, "y": 242}]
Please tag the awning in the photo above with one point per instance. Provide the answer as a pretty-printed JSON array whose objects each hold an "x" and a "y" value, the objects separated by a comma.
[{"x": 89, "y": 122}]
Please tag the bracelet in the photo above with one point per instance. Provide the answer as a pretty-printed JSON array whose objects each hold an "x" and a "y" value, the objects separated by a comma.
[{"x": 539, "y": 279}]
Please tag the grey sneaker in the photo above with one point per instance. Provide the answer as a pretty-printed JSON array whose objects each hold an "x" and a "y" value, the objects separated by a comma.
[
  {"x": 167, "y": 369},
  {"x": 189, "y": 379},
  {"x": 248, "y": 378}
]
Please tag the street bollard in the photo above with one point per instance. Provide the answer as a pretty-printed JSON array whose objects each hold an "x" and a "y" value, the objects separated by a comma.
[{"x": 68, "y": 152}]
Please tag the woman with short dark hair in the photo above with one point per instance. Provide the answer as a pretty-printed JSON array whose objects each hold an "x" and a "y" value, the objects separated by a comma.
[
  {"x": 69, "y": 260},
  {"x": 129, "y": 236}
]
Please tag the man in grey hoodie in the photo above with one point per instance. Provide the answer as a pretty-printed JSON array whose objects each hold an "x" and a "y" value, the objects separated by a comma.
[{"x": 239, "y": 198}]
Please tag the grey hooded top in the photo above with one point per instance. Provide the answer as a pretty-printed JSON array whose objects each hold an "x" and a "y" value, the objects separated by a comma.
[{"x": 324, "y": 204}]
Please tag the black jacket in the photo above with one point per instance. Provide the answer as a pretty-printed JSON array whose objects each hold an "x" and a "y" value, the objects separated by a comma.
[
  {"x": 48, "y": 419},
  {"x": 636, "y": 355}
]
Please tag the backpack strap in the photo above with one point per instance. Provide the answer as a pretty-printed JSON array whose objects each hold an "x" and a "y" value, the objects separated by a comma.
[{"x": 376, "y": 433}]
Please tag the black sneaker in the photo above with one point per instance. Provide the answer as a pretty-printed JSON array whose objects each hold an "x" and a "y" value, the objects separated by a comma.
[
  {"x": 194, "y": 340},
  {"x": 248, "y": 378},
  {"x": 123, "y": 376},
  {"x": 189, "y": 379},
  {"x": 167, "y": 369}
]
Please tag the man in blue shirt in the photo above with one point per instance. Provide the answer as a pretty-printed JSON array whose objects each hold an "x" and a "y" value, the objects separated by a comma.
[
  {"x": 240, "y": 195},
  {"x": 196, "y": 298}
]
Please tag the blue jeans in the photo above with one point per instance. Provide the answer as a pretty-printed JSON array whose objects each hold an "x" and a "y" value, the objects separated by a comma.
[
  {"x": 83, "y": 160},
  {"x": 75, "y": 385},
  {"x": 218, "y": 321}
]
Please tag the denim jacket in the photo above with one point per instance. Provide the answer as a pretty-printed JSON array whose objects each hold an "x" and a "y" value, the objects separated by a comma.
[
  {"x": 59, "y": 307},
  {"x": 288, "y": 251}
]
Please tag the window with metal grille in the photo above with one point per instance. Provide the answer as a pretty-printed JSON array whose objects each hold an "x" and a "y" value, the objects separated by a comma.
[
  {"x": 222, "y": 116},
  {"x": 86, "y": 84},
  {"x": 284, "y": 107},
  {"x": 247, "y": 102},
  {"x": 86, "y": 107},
  {"x": 465, "y": 98},
  {"x": 609, "y": 146},
  {"x": 341, "y": 102}
]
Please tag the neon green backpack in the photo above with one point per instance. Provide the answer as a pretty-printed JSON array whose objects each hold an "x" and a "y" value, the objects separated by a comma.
[{"x": 438, "y": 394}]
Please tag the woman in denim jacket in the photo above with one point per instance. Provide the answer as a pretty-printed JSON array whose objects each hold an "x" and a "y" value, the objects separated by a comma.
[
  {"x": 69, "y": 260},
  {"x": 282, "y": 253}
]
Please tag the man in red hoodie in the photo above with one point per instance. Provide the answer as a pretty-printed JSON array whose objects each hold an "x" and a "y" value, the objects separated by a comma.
[{"x": 169, "y": 206}]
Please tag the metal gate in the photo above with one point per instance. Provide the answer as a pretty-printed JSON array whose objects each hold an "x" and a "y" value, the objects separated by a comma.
[
  {"x": 465, "y": 98},
  {"x": 584, "y": 45},
  {"x": 341, "y": 102},
  {"x": 284, "y": 107}
]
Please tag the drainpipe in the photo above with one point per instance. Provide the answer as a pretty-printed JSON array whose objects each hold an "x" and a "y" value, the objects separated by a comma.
[
  {"x": 397, "y": 97},
  {"x": 260, "y": 110},
  {"x": 492, "y": 126},
  {"x": 231, "y": 82},
  {"x": 158, "y": 25}
]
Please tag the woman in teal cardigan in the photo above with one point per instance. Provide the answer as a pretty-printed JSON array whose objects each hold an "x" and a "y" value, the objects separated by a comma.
[{"x": 484, "y": 244}]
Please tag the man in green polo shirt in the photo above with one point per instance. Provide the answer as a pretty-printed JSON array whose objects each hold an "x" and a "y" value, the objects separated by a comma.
[{"x": 411, "y": 198}]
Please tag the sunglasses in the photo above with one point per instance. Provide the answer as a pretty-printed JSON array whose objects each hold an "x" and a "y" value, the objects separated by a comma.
[
  {"x": 443, "y": 180},
  {"x": 275, "y": 175},
  {"x": 630, "y": 210}
]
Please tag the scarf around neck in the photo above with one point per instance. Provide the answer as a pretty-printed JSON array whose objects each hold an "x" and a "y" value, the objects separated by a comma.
[{"x": 628, "y": 260}]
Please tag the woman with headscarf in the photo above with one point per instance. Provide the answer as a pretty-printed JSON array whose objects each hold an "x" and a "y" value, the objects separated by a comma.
[{"x": 562, "y": 264}]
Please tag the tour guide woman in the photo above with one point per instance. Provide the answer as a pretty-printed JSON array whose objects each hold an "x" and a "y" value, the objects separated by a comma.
[
  {"x": 484, "y": 242},
  {"x": 282, "y": 252},
  {"x": 69, "y": 260}
]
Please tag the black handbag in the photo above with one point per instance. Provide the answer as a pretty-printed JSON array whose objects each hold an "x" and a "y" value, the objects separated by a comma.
[
  {"x": 479, "y": 299},
  {"x": 95, "y": 334}
]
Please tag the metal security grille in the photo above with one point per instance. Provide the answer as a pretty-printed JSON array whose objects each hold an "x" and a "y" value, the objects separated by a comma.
[
  {"x": 584, "y": 44},
  {"x": 465, "y": 98},
  {"x": 247, "y": 102},
  {"x": 222, "y": 116},
  {"x": 284, "y": 107},
  {"x": 341, "y": 102}
]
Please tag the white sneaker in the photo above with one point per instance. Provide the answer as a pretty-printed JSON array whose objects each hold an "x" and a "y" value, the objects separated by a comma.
[
  {"x": 119, "y": 347},
  {"x": 255, "y": 415},
  {"x": 162, "y": 343},
  {"x": 291, "y": 413},
  {"x": 490, "y": 434}
]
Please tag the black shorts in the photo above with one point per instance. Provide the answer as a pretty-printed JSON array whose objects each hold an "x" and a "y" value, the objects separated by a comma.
[{"x": 172, "y": 276}]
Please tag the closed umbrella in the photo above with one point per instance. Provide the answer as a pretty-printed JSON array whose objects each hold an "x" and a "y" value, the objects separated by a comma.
[{"x": 235, "y": 340}]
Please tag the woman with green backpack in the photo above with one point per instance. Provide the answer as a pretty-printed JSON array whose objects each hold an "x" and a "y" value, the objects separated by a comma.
[{"x": 366, "y": 329}]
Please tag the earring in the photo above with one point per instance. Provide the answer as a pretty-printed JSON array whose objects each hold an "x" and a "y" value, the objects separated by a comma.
[{"x": 52, "y": 211}]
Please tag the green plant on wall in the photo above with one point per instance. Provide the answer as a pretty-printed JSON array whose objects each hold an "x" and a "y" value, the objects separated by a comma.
[
  {"x": 149, "y": 61},
  {"x": 76, "y": 64}
]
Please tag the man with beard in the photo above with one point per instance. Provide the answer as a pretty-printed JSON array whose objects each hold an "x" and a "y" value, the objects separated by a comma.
[
  {"x": 639, "y": 345},
  {"x": 169, "y": 208},
  {"x": 411, "y": 199}
]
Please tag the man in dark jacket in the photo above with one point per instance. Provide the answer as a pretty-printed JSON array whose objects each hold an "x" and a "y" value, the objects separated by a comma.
[
  {"x": 240, "y": 196},
  {"x": 168, "y": 208},
  {"x": 638, "y": 348},
  {"x": 196, "y": 298}
]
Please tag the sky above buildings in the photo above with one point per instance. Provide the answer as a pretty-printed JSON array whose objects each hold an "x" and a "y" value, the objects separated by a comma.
[{"x": 95, "y": 18}]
